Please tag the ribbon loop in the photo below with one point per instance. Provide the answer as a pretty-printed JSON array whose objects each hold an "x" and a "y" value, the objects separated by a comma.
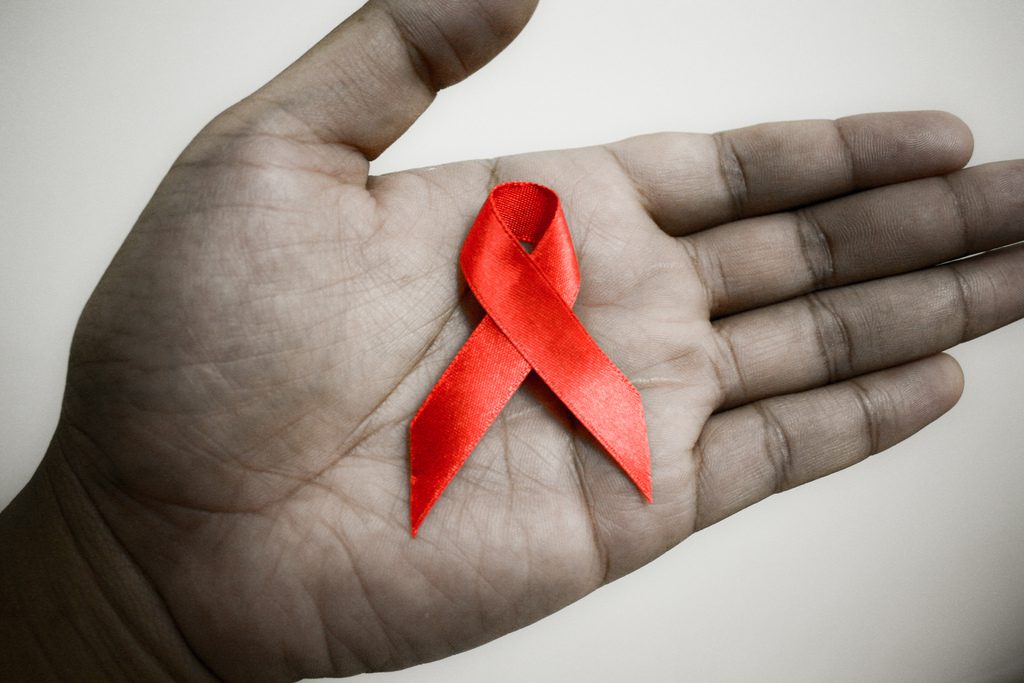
[{"x": 528, "y": 298}]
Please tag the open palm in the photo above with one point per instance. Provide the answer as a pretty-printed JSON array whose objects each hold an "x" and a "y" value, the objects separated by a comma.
[{"x": 242, "y": 380}]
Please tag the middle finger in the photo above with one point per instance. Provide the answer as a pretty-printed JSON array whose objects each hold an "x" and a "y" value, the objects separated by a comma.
[
  {"x": 871, "y": 234},
  {"x": 829, "y": 336}
]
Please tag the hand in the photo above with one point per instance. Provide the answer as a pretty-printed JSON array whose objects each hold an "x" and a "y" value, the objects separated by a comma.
[{"x": 242, "y": 380}]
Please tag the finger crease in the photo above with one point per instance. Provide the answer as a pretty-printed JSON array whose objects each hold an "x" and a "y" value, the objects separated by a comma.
[
  {"x": 418, "y": 60},
  {"x": 816, "y": 249},
  {"x": 716, "y": 288},
  {"x": 961, "y": 215},
  {"x": 870, "y": 413},
  {"x": 833, "y": 337},
  {"x": 846, "y": 150},
  {"x": 698, "y": 482},
  {"x": 727, "y": 351},
  {"x": 733, "y": 174},
  {"x": 777, "y": 447},
  {"x": 963, "y": 302}
]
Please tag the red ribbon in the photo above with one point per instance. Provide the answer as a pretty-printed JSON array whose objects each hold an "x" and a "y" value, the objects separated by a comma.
[{"x": 528, "y": 297}]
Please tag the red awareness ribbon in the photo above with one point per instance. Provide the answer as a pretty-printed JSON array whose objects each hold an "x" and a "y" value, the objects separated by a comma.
[{"x": 528, "y": 297}]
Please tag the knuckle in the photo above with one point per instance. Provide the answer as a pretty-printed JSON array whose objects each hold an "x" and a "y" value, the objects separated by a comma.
[
  {"x": 777, "y": 447},
  {"x": 832, "y": 337},
  {"x": 815, "y": 249},
  {"x": 733, "y": 173}
]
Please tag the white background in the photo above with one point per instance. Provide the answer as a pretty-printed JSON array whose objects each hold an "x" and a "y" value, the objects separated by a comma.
[{"x": 909, "y": 567}]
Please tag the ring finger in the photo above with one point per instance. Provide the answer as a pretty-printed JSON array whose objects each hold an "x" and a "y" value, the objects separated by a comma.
[{"x": 831, "y": 335}]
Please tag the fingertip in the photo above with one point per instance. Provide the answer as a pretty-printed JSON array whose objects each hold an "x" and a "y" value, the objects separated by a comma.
[
  {"x": 451, "y": 40},
  {"x": 954, "y": 377},
  {"x": 889, "y": 147},
  {"x": 939, "y": 384},
  {"x": 913, "y": 395},
  {"x": 960, "y": 138}
]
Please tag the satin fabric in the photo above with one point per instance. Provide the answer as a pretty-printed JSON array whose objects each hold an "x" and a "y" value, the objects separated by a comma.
[{"x": 529, "y": 326}]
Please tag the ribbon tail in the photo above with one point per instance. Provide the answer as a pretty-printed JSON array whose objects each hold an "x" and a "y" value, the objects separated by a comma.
[
  {"x": 458, "y": 411},
  {"x": 623, "y": 435}
]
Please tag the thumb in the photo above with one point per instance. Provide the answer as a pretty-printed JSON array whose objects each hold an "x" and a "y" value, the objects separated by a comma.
[{"x": 368, "y": 80}]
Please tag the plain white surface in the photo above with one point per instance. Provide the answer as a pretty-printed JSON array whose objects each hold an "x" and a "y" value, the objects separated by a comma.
[{"x": 908, "y": 567}]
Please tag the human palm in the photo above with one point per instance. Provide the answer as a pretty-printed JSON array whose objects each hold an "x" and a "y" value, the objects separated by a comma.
[{"x": 242, "y": 380}]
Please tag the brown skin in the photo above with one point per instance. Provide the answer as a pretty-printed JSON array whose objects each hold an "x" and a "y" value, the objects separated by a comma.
[{"x": 226, "y": 492}]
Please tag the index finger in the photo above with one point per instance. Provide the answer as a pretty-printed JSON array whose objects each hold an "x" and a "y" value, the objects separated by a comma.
[{"x": 689, "y": 182}]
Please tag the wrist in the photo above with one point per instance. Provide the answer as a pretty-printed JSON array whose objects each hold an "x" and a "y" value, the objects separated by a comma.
[{"x": 73, "y": 604}]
